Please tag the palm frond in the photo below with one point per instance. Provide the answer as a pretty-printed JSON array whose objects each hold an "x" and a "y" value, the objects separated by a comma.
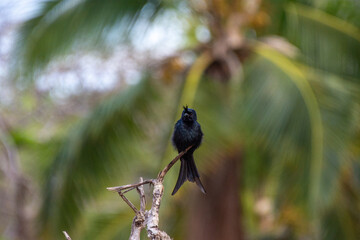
[
  {"x": 107, "y": 223},
  {"x": 278, "y": 117},
  {"x": 100, "y": 151},
  {"x": 61, "y": 26},
  {"x": 326, "y": 41},
  {"x": 344, "y": 9},
  {"x": 308, "y": 100}
]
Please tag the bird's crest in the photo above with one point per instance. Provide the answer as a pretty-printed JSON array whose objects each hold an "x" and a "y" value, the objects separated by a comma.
[{"x": 186, "y": 108}]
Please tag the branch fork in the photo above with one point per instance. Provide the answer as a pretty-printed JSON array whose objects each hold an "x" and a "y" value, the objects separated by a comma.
[{"x": 148, "y": 219}]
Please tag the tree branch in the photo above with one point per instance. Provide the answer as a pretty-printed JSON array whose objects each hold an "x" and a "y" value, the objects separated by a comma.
[
  {"x": 66, "y": 235},
  {"x": 132, "y": 186},
  {"x": 162, "y": 174},
  {"x": 150, "y": 218},
  {"x": 141, "y": 192},
  {"x": 128, "y": 202},
  {"x": 139, "y": 219}
]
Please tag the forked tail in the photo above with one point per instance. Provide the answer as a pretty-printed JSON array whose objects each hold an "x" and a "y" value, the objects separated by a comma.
[{"x": 188, "y": 171}]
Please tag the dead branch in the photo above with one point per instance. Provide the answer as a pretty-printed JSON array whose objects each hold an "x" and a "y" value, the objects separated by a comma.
[
  {"x": 129, "y": 186},
  {"x": 148, "y": 219},
  {"x": 167, "y": 168},
  {"x": 139, "y": 219},
  {"x": 128, "y": 202},
  {"x": 66, "y": 235}
]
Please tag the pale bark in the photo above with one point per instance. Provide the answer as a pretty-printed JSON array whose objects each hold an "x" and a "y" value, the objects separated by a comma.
[
  {"x": 152, "y": 216},
  {"x": 148, "y": 219},
  {"x": 66, "y": 235}
]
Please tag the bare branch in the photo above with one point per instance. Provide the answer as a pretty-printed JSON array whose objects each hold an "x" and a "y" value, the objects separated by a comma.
[
  {"x": 128, "y": 202},
  {"x": 167, "y": 168},
  {"x": 143, "y": 218},
  {"x": 136, "y": 226},
  {"x": 152, "y": 216},
  {"x": 66, "y": 235},
  {"x": 141, "y": 192},
  {"x": 120, "y": 188},
  {"x": 139, "y": 219}
]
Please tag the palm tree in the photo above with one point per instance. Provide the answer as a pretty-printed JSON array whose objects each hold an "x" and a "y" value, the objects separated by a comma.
[{"x": 276, "y": 89}]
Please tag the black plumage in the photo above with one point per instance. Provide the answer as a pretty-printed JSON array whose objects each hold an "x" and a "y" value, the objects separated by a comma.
[{"x": 187, "y": 133}]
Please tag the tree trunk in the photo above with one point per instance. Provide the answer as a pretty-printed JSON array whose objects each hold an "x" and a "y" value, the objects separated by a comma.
[{"x": 217, "y": 215}]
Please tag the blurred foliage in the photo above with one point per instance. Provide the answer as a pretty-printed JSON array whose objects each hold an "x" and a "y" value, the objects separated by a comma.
[{"x": 278, "y": 81}]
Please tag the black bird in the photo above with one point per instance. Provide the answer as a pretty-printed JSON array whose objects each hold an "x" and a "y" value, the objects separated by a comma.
[{"x": 187, "y": 133}]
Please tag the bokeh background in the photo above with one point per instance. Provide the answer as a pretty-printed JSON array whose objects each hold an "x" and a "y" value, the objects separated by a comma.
[{"x": 90, "y": 91}]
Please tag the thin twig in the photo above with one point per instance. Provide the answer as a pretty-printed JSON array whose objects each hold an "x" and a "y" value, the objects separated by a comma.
[
  {"x": 120, "y": 188},
  {"x": 141, "y": 192},
  {"x": 139, "y": 219},
  {"x": 167, "y": 168},
  {"x": 128, "y": 202},
  {"x": 143, "y": 218},
  {"x": 160, "y": 177},
  {"x": 128, "y": 190},
  {"x": 66, "y": 235}
]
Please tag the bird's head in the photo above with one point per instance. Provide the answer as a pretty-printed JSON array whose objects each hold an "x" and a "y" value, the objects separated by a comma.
[{"x": 188, "y": 115}]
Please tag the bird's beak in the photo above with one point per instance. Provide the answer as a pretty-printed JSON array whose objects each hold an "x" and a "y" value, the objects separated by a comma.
[{"x": 186, "y": 116}]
